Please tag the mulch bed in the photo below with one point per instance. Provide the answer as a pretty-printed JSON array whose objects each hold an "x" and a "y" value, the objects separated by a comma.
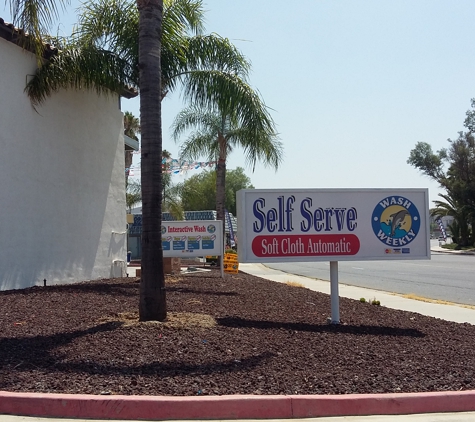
[{"x": 241, "y": 335}]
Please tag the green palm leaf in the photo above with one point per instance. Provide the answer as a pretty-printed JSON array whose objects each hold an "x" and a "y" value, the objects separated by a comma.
[
  {"x": 82, "y": 68},
  {"x": 35, "y": 18}
]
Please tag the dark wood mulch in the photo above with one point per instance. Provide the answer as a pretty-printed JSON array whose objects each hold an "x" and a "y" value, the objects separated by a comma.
[{"x": 270, "y": 338}]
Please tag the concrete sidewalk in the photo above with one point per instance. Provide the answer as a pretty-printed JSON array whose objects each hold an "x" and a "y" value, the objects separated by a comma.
[{"x": 449, "y": 312}]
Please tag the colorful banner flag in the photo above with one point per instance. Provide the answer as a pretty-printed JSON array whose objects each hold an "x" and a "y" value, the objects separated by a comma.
[
  {"x": 174, "y": 166},
  {"x": 442, "y": 228},
  {"x": 232, "y": 240}
]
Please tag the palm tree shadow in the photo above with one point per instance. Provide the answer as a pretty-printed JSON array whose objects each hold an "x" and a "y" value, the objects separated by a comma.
[
  {"x": 200, "y": 292},
  {"x": 27, "y": 352},
  {"x": 372, "y": 330},
  {"x": 168, "y": 369},
  {"x": 114, "y": 289}
]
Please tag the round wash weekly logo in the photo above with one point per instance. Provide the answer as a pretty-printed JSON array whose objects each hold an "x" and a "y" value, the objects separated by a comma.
[{"x": 396, "y": 221}]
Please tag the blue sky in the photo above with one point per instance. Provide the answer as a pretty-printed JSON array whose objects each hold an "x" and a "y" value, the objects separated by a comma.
[{"x": 353, "y": 85}]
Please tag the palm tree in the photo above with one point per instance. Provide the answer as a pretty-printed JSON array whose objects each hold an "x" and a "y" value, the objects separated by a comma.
[
  {"x": 219, "y": 132},
  {"x": 131, "y": 125},
  {"x": 152, "y": 301},
  {"x": 460, "y": 212},
  {"x": 123, "y": 47},
  {"x": 133, "y": 195},
  {"x": 131, "y": 128}
]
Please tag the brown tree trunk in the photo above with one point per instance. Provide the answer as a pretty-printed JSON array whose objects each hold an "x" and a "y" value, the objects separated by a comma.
[{"x": 152, "y": 302}]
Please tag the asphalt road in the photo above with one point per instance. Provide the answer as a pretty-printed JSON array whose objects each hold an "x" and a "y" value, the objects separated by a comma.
[{"x": 446, "y": 277}]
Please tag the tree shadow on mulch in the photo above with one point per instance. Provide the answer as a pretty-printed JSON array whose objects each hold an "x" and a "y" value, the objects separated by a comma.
[
  {"x": 114, "y": 288},
  {"x": 200, "y": 291},
  {"x": 35, "y": 351},
  {"x": 371, "y": 330}
]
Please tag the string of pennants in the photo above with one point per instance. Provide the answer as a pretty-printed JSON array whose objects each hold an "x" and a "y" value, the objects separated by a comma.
[{"x": 174, "y": 166}]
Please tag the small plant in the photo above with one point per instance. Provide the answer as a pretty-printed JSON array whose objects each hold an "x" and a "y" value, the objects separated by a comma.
[
  {"x": 233, "y": 251},
  {"x": 294, "y": 284},
  {"x": 370, "y": 301}
]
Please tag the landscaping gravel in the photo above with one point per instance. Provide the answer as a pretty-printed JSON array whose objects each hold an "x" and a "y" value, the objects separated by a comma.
[{"x": 240, "y": 335}]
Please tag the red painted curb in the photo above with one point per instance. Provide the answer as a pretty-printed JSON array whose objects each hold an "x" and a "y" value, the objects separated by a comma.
[
  {"x": 231, "y": 407},
  {"x": 382, "y": 404},
  {"x": 145, "y": 407}
]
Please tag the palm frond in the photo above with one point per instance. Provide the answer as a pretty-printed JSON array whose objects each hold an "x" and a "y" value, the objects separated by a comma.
[
  {"x": 194, "y": 117},
  {"x": 200, "y": 144},
  {"x": 81, "y": 68},
  {"x": 265, "y": 149},
  {"x": 258, "y": 146},
  {"x": 181, "y": 19},
  {"x": 35, "y": 18},
  {"x": 213, "y": 52},
  {"x": 114, "y": 24},
  {"x": 183, "y": 16},
  {"x": 229, "y": 94},
  {"x": 110, "y": 24}
]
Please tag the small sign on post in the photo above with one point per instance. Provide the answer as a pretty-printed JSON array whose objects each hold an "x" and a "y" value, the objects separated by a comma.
[{"x": 231, "y": 263}]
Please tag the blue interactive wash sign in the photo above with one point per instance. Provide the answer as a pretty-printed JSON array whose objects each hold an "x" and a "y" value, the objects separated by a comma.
[{"x": 192, "y": 238}]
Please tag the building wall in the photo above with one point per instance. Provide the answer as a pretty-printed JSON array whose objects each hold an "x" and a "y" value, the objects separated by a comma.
[{"x": 62, "y": 182}]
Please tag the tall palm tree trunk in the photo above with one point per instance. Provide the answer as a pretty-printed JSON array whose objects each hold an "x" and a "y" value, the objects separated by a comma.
[{"x": 152, "y": 303}]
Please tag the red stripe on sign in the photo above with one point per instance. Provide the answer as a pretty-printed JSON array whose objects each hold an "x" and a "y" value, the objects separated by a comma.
[{"x": 305, "y": 245}]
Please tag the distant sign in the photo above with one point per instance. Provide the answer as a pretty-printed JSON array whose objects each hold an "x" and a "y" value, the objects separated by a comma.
[
  {"x": 333, "y": 224},
  {"x": 192, "y": 238}
]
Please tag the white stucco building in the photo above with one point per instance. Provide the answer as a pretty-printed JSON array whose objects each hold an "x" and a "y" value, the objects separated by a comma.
[{"x": 62, "y": 181}]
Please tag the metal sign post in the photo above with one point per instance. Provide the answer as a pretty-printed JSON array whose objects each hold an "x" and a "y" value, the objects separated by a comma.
[
  {"x": 223, "y": 241},
  {"x": 334, "y": 295}
]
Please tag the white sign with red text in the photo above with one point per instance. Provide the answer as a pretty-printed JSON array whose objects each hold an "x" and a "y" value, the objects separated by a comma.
[
  {"x": 192, "y": 238},
  {"x": 332, "y": 224}
]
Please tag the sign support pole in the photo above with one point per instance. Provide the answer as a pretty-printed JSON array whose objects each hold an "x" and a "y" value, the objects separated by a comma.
[
  {"x": 334, "y": 295},
  {"x": 223, "y": 244}
]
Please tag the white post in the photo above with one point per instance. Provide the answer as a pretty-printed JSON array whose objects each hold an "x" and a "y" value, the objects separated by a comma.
[
  {"x": 334, "y": 296},
  {"x": 223, "y": 244}
]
